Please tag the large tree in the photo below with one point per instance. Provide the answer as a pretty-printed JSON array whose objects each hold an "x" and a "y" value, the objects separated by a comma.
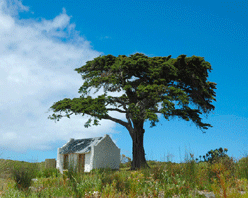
[{"x": 151, "y": 85}]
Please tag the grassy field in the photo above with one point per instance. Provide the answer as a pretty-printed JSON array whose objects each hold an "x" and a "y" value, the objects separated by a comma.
[{"x": 223, "y": 176}]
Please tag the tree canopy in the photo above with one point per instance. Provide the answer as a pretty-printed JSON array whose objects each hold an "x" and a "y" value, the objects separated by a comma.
[
  {"x": 160, "y": 79},
  {"x": 180, "y": 85}
]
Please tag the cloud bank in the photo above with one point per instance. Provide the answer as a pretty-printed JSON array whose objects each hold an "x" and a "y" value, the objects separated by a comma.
[{"x": 37, "y": 62}]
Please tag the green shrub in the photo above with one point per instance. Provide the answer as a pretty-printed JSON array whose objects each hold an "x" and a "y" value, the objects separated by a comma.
[
  {"x": 106, "y": 178},
  {"x": 151, "y": 163},
  {"x": 157, "y": 172},
  {"x": 48, "y": 172},
  {"x": 219, "y": 156},
  {"x": 214, "y": 156},
  {"x": 121, "y": 184},
  {"x": 101, "y": 170},
  {"x": 190, "y": 172},
  {"x": 126, "y": 165},
  {"x": 242, "y": 168},
  {"x": 23, "y": 177},
  {"x": 13, "y": 192}
]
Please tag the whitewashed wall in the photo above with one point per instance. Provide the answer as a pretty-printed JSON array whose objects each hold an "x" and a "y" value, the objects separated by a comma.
[
  {"x": 106, "y": 154},
  {"x": 88, "y": 162},
  {"x": 60, "y": 161},
  {"x": 73, "y": 160}
]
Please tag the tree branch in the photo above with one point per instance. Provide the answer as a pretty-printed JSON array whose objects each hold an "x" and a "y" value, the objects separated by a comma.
[
  {"x": 113, "y": 100},
  {"x": 112, "y": 109},
  {"x": 125, "y": 124}
]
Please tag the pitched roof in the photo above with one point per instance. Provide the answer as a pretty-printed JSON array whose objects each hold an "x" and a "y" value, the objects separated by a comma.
[{"x": 79, "y": 145}]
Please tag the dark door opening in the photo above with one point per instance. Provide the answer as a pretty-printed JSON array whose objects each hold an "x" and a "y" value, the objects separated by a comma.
[
  {"x": 66, "y": 161},
  {"x": 81, "y": 160}
]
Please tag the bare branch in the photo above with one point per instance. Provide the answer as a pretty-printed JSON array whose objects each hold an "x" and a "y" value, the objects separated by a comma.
[
  {"x": 111, "y": 109},
  {"x": 125, "y": 124}
]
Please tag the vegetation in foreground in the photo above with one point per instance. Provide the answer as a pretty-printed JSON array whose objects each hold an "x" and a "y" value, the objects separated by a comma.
[{"x": 217, "y": 173}]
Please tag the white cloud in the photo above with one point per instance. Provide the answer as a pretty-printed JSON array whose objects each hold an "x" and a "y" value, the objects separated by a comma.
[
  {"x": 36, "y": 70},
  {"x": 12, "y": 7}
]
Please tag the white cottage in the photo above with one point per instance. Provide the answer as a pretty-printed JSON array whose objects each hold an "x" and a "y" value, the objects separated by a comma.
[{"x": 88, "y": 154}]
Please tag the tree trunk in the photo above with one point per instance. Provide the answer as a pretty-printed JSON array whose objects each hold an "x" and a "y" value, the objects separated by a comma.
[{"x": 139, "y": 160}]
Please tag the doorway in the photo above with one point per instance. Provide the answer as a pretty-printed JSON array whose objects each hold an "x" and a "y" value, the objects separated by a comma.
[
  {"x": 66, "y": 161},
  {"x": 81, "y": 162}
]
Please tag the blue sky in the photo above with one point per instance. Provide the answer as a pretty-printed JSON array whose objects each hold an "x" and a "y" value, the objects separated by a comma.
[{"x": 42, "y": 43}]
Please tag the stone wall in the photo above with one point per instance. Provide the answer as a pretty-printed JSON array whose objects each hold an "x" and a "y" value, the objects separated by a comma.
[{"x": 50, "y": 163}]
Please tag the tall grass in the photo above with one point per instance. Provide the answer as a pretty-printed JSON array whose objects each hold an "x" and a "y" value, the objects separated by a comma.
[
  {"x": 165, "y": 179},
  {"x": 242, "y": 167}
]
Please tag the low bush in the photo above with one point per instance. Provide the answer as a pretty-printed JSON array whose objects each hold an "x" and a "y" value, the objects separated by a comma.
[
  {"x": 23, "y": 177},
  {"x": 48, "y": 172},
  {"x": 242, "y": 168}
]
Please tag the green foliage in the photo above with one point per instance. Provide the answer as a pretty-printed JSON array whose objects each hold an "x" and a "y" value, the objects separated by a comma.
[
  {"x": 23, "y": 177},
  {"x": 181, "y": 180},
  {"x": 151, "y": 162},
  {"x": 216, "y": 155},
  {"x": 48, "y": 172},
  {"x": 244, "y": 195},
  {"x": 190, "y": 172},
  {"x": 242, "y": 168},
  {"x": 11, "y": 193},
  {"x": 223, "y": 182},
  {"x": 181, "y": 81},
  {"x": 4, "y": 167}
]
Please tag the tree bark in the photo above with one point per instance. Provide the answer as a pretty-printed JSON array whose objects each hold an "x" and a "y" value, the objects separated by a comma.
[{"x": 139, "y": 160}]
